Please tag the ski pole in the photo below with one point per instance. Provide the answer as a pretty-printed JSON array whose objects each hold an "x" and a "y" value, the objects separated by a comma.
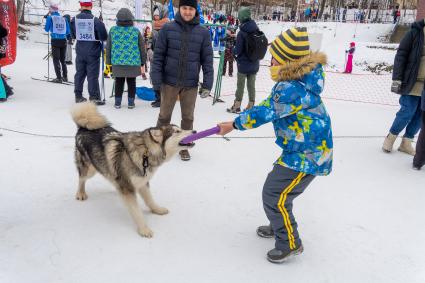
[
  {"x": 113, "y": 89},
  {"x": 345, "y": 63},
  {"x": 48, "y": 56},
  {"x": 103, "y": 70}
]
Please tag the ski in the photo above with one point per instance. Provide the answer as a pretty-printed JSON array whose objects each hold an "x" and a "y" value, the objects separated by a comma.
[
  {"x": 68, "y": 82},
  {"x": 50, "y": 81}
]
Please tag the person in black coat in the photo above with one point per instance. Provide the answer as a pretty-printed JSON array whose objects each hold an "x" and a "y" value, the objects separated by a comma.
[
  {"x": 408, "y": 81},
  {"x": 88, "y": 52},
  {"x": 182, "y": 49}
]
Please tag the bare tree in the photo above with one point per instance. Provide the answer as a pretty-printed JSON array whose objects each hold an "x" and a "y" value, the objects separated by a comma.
[
  {"x": 20, "y": 8},
  {"x": 322, "y": 8}
]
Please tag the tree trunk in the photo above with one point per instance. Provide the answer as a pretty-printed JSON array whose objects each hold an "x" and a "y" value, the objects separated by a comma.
[
  {"x": 369, "y": 8},
  {"x": 322, "y": 8},
  {"x": 20, "y": 7},
  {"x": 257, "y": 9},
  {"x": 377, "y": 12}
]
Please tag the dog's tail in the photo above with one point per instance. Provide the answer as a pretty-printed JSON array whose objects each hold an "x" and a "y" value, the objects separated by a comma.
[{"x": 85, "y": 115}]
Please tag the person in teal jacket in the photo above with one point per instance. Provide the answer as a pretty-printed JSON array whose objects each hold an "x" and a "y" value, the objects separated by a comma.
[
  {"x": 126, "y": 52},
  {"x": 60, "y": 31},
  {"x": 303, "y": 131}
]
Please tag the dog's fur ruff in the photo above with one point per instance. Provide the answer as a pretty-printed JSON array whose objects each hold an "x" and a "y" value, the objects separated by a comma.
[{"x": 127, "y": 160}]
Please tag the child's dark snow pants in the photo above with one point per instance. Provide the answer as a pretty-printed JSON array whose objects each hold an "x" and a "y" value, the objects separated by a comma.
[{"x": 282, "y": 186}]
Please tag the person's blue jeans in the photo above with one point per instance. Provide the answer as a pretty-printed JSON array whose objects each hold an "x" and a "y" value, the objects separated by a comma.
[{"x": 409, "y": 116}]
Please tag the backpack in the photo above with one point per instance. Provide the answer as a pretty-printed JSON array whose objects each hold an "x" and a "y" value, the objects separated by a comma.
[{"x": 256, "y": 45}]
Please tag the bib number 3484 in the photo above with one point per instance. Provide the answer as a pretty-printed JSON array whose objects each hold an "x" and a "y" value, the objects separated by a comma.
[{"x": 85, "y": 29}]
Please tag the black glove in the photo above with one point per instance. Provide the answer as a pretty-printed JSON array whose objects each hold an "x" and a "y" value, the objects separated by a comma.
[{"x": 396, "y": 87}]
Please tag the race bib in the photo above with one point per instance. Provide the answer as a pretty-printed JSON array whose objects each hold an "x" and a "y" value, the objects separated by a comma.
[
  {"x": 59, "y": 25},
  {"x": 84, "y": 29}
]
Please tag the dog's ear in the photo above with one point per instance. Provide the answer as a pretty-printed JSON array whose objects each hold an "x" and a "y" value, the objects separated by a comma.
[
  {"x": 167, "y": 132},
  {"x": 156, "y": 135}
]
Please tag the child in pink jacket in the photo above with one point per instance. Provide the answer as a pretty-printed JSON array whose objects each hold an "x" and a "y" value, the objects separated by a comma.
[{"x": 350, "y": 53}]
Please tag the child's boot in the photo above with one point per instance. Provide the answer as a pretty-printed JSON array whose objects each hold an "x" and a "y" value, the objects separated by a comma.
[
  {"x": 117, "y": 102},
  {"x": 250, "y": 105},
  {"x": 265, "y": 231},
  {"x": 131, "y": 104},
  {"x": 278, "y": 256},
  {"x": 236, "y": 108}
]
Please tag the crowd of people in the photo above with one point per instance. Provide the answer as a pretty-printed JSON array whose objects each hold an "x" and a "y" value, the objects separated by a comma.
[
  {"x": 179, "y": 49},
  {"x": 311, "y": 13}
]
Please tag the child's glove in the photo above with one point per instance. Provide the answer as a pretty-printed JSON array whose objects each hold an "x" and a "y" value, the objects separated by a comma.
[
  {"x": 204, "y": 93},
  {"x": 396, "y": 87}
]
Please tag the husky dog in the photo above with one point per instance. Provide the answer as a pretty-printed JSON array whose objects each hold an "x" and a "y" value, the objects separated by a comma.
[{"x": 127, "y": 160}]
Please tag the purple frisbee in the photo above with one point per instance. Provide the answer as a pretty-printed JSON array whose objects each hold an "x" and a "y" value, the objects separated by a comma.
[{"x": 200, "y": 135}]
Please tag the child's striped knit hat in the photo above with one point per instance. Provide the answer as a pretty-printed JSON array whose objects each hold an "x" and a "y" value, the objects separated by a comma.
[{"x": 291, "y": 45}]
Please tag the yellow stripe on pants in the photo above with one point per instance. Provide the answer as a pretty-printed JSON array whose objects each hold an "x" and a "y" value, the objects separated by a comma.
[{"x": 285, "y": 214}]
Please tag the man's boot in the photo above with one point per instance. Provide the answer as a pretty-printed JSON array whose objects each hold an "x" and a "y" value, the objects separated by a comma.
[
  {"x": 184, "y": 155},
  {"x": 406, "y": 146},
  {"x": 389, "y": 143},
  {"x": 157, "y": 102}
]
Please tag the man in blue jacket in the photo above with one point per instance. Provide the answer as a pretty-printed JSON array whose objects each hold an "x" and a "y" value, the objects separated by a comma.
[
  {"x": 59, "y": 31},
  {"x": 247, "y": 69},
  {"x": 90, "y": 32},
  {"x": 182, "y": 48}
]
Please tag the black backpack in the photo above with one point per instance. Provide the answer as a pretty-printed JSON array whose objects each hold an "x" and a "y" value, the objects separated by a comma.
[{"x": 256, "y": 45}]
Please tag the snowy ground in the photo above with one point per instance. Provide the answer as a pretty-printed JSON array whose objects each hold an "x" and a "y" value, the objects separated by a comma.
[{"x": 360, "y": 224}]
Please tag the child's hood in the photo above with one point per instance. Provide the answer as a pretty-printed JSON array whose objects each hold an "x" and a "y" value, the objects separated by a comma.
[{"x": 304, "y": 70}]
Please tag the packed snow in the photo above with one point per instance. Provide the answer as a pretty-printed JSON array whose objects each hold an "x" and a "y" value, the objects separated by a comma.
[{"x": 360, "y": 224}]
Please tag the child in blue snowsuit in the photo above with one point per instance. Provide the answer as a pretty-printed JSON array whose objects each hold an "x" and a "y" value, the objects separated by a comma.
[{"x": 303, "y": 131}]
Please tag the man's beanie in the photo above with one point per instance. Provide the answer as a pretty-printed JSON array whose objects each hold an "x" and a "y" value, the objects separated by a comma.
[
  {"x": 244, "y": 14},
  {"x": 86, "y": 3},
  {"x": 291, "y": 45},
  {"x": 190, "y": 3}
]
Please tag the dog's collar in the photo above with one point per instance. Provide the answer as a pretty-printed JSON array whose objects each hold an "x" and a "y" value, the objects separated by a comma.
[
  {"x": 145, "y": 162},
  {"x": 152, "y": 138}
]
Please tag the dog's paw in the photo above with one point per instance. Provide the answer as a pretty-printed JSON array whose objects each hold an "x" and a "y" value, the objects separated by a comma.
[
  {"x": 145, "y": 232},
  {"x": 160, "y": 210},
  {"x": 81, "y": 196}
]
